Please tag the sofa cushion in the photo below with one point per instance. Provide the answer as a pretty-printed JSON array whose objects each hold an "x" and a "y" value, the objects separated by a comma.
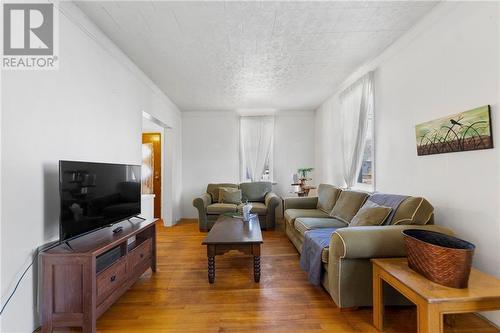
[
  {"x": 257, "y": 208},
  {"x": 303, "y": 224},
  {"x": 370, "y": 216},
  {"x": 348, "y": 204},
  {"x": 213, "y": 190},
  {"x": 220, "y": 208},
  {"x": 413, "y": 210},
  {"x": 292, "y": 214},
  {"x": 255, "y": 191},
  {"x": 229, "y": 195},
  {"x": 327, "y": 197}
]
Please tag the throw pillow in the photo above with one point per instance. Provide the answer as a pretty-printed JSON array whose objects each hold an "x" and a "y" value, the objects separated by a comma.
[
  {"x": 327, "y": 197},
  {"x": 413, "y": 211},
  {"x": 370, "y": 216},
  {"x": 229, "y": 195},
  {"x": 348, "y": 204}
]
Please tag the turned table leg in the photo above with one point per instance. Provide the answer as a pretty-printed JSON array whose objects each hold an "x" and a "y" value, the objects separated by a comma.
[
  {"x": 211, "y": 269},
  {"x": 256, "y": 268},
  {"x": 211, "y": 262},
  {"x": 256, "y": 262}
]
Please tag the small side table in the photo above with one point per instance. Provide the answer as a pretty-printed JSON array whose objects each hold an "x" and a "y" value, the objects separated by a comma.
[
  {"x": 303, "y": 188},
  {"x": 433, "y": 300}
]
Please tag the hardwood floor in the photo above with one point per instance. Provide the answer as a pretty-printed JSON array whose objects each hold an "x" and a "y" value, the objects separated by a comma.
[{"x": 178, "y": 298}]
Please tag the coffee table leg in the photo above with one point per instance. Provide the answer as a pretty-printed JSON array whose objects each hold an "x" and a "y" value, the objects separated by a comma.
[
  {"x": 256, "y": 268},
  {"x": 256, "y": 262},
  {"x": 211, "y": 269},
  {"x": 211, "y": 262}
]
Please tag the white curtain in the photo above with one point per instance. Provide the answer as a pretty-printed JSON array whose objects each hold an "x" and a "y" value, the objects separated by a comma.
[
  {"x": 256, "y": 146},
  {"x": 357, "y": 102}
]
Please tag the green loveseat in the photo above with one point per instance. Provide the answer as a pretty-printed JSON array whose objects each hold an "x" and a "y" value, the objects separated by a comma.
[
  {"x": 259, "y": 194},
  {"x": 347, "y": 270}
]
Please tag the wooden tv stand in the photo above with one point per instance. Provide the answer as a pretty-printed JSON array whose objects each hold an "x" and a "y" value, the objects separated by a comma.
[{"x": 77, "y": 289}]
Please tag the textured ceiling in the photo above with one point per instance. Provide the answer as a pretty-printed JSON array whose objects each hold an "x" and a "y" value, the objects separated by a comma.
[{"x": 230, "y": 55}]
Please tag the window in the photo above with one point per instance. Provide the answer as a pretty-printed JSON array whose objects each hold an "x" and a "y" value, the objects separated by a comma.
[
  {"x": 256, "y": 148},
  {"x": 366, "y": 176},
  {"x": 356, "y": 120}
]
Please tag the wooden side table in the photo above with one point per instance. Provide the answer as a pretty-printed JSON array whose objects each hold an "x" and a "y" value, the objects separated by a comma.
[
  {"x": 432, "y": 300},
  {"x": 303, "y": 187}
]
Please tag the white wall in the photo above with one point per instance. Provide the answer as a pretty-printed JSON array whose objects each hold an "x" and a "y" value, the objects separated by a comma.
[
  {"x": 210, "y": 150},
  {"x": 210, "y": 147},
  {"x": 293, "y": 148},
  {"x": 89, "y": 109},
  {"x": 450, "y": 64}
]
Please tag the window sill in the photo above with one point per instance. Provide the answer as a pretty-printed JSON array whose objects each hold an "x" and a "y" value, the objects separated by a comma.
[{"x": 364, "y": 187}]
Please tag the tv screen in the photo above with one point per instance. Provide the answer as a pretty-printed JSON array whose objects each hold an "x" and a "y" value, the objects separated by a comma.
[{"x": 95, "y": 195}]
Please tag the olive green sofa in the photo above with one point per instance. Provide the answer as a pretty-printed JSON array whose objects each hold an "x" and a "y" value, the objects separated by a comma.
[
  {"x": 259, "y": 194},
  {"x": 347, "y": 270}
]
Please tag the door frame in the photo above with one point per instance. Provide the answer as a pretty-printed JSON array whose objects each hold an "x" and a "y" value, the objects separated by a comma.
[
  {"x": 167, "y": 176},
  {"x": 157, "y": 151}
]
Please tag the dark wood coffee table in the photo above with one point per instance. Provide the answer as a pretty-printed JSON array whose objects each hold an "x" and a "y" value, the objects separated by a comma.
[{"x": 229, "y": 233}]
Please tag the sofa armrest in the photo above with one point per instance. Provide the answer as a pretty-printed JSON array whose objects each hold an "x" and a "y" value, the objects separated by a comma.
[
  {"x": 373, "y": 242},
  {"x": 300, "y": 203},
  {"x": 202, "y": 201},
  {"x": 272, "y": 200}
]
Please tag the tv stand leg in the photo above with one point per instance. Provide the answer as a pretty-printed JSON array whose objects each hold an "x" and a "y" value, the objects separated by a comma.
[
  {"x": 89, "y": 299},
  {"x": 47, "y": 327},
  {"x": 89, "y": 327}
]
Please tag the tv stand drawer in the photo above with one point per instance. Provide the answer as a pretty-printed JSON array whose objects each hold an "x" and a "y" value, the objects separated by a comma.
[
  {"x": 140, "y": 254},
  {"x": 111, "y": 278}
]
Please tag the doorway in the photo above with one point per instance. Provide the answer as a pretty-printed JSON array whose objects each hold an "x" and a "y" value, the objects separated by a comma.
[
  {"x": 160, "y": 205},
  {"x": 152, "y": 168}
]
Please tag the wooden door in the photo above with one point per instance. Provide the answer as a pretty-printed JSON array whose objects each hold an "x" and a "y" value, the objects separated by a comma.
[{"x": 154, "y": 140}]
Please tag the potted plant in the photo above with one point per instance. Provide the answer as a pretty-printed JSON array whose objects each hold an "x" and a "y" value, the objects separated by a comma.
[{"x": 303, "y": 172}]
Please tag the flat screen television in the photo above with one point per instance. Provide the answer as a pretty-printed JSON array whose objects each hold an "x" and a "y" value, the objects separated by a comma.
[{"x": 96, "y": 195}]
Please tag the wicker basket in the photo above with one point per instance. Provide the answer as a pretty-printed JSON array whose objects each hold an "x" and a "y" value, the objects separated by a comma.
[{"x": 441, "y": 258}]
